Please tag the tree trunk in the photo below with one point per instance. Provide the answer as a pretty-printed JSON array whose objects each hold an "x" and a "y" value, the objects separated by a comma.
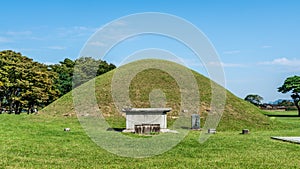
[
  {"x": 17, "y": 108},
  {"x": 11, "y": 105},
  {"x": 30, "y": 108},
  {"x": 296, "y": 98},
  {"x": 1, "y": 109},
  {"x": 298, "y": 107}
]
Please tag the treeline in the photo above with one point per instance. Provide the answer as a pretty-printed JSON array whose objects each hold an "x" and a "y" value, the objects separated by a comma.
[
  {"x": 26, "y": 85},
  {"x": 278, "y": 105}
]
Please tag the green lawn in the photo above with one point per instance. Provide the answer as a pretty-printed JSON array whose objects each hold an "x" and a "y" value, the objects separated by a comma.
[
  {"x": 37, "y": 141},
  {"x": 288, "y": 118},
  {"x": 280, "y": 113}
]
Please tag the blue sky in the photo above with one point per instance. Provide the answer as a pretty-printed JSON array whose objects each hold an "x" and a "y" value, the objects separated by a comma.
[{"x": 257, "y": 40}]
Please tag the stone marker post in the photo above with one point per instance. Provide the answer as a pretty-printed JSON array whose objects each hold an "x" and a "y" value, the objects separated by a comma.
[{"x": 195, "y": 121}]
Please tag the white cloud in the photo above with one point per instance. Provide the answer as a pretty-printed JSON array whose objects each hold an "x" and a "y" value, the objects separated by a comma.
[
  {"x": 119, "y": 23},
  {"x": 97, "y": 43},
  {"x": 24, "y": 49},
  {"x": 222, "y": 64},
  {"x": 49, "y": 63},
  {"x": 266, "y": 46},
  {"x": 231, "y": 52},
  {"x": 84, "y": 29},
  {"x": 5, "y": 40},
  {"x": 18, "y": 33},
  {"x": 76, "y": 31},
  {"x": 56, "y": 47},
  {"x": 282, "y": 62}
]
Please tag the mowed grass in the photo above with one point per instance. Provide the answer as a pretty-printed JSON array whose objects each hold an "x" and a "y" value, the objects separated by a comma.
[
  {"x": 38, "y": 141},
  {"x": 275, "y": 113},
  {"x": 289, "y": 119}
]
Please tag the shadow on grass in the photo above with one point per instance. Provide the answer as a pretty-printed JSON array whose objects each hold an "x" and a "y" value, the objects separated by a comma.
[
  {"x": 282, "y": 115},
  {"x": 115, "y": 129}
]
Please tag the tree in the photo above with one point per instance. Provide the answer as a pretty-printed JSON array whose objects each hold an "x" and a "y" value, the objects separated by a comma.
[
  {"x": 85, "y": 69},
  {"x": 254, "y": 99},
  {"x": 65, "y": 73},
  {"x": 286, "y": 103},
  {"x": 104, "y": 67},
  {"x": 24, "y": 83},
  {"x": 292, "y": 84}
]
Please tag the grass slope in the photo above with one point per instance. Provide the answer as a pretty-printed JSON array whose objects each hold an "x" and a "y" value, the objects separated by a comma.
[{"x": 238, "y": 114}]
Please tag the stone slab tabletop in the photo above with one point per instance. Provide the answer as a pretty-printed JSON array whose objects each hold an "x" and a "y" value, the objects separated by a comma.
[
  {"x": 288, "y": 139},
  {"x": 146, "y": 109}
]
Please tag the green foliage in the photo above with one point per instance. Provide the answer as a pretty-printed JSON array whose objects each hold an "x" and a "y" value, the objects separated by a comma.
[
  {"x": 65, "y": 72},
  {"x": 254, "y": 99},
  {"x": 286, "y": 103},
  {"x": 85, "y": 68},
  {"x": 104, "y": 67},
  {"x": 24, "y": 83},
  {"x": 292, "y": 84}
]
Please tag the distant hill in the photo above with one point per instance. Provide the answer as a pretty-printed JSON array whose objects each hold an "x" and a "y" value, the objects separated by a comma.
[
  {"x": 238, "y": 114},
  {"x": 279, "y": 101}
]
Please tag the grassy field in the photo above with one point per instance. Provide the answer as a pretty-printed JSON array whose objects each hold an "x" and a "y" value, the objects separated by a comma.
[{"x": 38, "y": 141}]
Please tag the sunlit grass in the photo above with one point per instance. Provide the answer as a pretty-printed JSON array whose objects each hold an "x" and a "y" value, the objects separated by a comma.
[{"x": 40, "y": 142}]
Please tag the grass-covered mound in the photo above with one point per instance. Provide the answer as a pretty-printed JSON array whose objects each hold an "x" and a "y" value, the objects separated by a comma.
[
  {"x": 237, "y": 114},
  {"x": 38, "y": 141}
]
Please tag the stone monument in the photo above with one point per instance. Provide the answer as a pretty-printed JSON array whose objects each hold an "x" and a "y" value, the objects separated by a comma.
[{"x": 195, "y": 121}]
